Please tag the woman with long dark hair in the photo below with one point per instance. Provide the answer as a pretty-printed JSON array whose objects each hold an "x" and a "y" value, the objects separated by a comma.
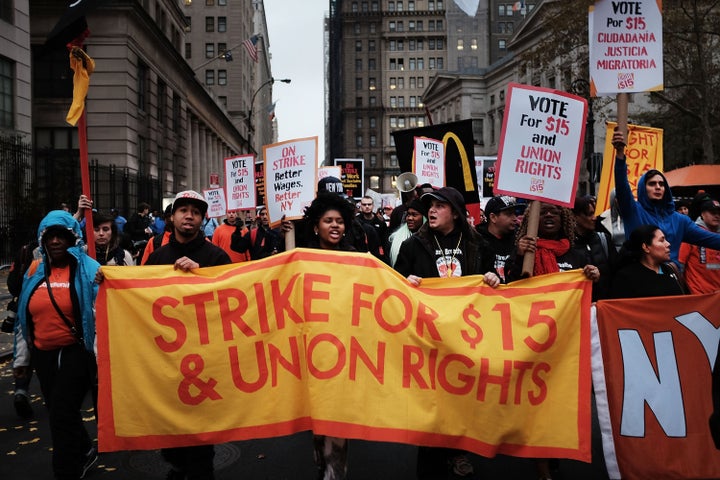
[
  {"x": 107, "y": 242},
  {"x": 647, "y": 271}
]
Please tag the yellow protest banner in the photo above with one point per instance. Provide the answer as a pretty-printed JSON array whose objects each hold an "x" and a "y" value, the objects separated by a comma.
[
  {"x": 644, "y": 151},
  {"x": 340, "y": 344}
]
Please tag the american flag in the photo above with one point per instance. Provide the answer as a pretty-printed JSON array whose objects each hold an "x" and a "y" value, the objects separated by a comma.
[{"x": 252, "y": 50}]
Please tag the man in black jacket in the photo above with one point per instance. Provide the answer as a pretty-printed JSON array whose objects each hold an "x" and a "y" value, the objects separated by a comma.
[
  {"x": 189, "y": 249},
  {"x": 499, "y": 231}
]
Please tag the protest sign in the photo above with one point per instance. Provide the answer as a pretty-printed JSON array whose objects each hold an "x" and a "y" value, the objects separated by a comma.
[
  {"x": 457, "y": 139},
  {"x": 333, "y": 171},
  {"x": 215, "y": 197},
  {"x": 653, "y": 370},
  {"x": 541, "y": 145},
  {"x": 485, "y": 170},
  {"x": 625, "y": 44},
  {"x": 429, "y": 161},
  {"x": 361, "y": 353},
  {"x": 240, "y": 182},
  {"x": 290, "y": 178},
  {"x": 352, "y": 176},
  {"x": 260, "y": 183},
  {"x": 644, "y": 151}
]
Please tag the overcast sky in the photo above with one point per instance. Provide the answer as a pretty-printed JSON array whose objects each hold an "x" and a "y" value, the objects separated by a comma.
[{"x": 295, "y": 29}]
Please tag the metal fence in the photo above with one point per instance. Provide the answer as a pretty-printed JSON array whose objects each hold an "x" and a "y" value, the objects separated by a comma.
[{"x": 33, "y": 184}]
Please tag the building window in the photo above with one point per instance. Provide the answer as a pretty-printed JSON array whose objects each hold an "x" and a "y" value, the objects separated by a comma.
[
  {"x": 209, "y": 24},
  {"x": 411, "y": 45},
  {"x": 358, "y": 65},
  {"x": 393, "y": 83},
  {"x": 439, "y": 25},
  {"x": 400, "y": 45},
  {"x": 421, "y": 82},
  {"x": 222, "y": 3},
  {"x": 161, "y": 101},
  {"x": 358, "y": 101},
  {"x": 412, "y": 82},
  {"x": 7, "y": 96},
  {"x": 222, "y": 77},
  {"x": 372, "y": 28},
  {"x": 431, "y": 63},
  {"x": 431, "y": 25},
  {"x": 142, "y": 85},
  {"x": 371, "y": 45},
  {"x": 373, "y": 141},
  {"x": 209, "y": 3},
  {"x": 439, "y": 45},
  {"x": 393, "y": 102},
  {"x": 411, "y": 25},
  {"x": 401, "y": 102},
  {"x": 419, "y": 26},
  {"x": 354, "y": 7},
  {"x": 391, "y": 6},
  {"x": 222, "y": 24},
  {"x": 372, "y": 64},
  {"x": 393, "y": 159},
  {"x": 393, "y": 64},
  {"x": 358, "y": 45},
  {"x": 209, "y": 50},
  {"x": 393, "y": 122},
  {"x": 357, "y": 28},
  {"x": 399, "y": 6},
  {"x": 209, "y": 77},
  {"x": 374, "y": 180},
  {"x": 401, "y": 122},
  {"x": 372, "y": 83},
  {"x": 411, "y": 6},
  {"x": 7, "y": 10},
  {"x": 365, "y": 7},
  {"x": 392, "y": 45},
  {"x": 222, "y": 48},
  {"x": 391, "y": 26},
  {"x": 359, "y": 141},
  {"x": 413, "y": 101},
  {"x": 375, "y": 7},
  {"x": 401, "y": 83},
  {"x": 359, "y": 122},
  {"x": 411, "y": 64},
  {"x": 501, "y": 10},
  {"x": 420, "y": 45},
  {"x": 373, "y": 160},
  {"x": 431, "y": 5},
  {"x": 477, "y": 129},
  {"x": 473, "y": 44},
  {"x": 373, "y": 101},
  {"x": 400, "y": 27},
  {"x": 188, "y": 50},
  {"x": 440, "y": 63},
  {"x": 501, "y": 44},
  {"x": 358, "y": 83}
]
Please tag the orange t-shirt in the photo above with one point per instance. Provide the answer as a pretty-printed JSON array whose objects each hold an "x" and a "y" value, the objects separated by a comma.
[
  {"x": 222, "y": 237},
  {"x": 50, "y": 330}
]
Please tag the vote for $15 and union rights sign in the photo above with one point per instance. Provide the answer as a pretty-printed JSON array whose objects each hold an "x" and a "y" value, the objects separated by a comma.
[{"x": 541, "y": 144}]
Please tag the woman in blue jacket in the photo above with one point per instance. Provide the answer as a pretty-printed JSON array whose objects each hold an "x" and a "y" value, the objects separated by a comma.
[
  {"x": 55, "y": 332},
  {"x": 655, "y": 206}
]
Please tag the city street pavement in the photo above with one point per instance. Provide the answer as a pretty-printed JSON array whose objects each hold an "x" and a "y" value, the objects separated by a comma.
[{"x": 25, "y": 449}]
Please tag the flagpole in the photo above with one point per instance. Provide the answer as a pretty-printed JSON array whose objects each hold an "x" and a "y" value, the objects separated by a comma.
[{"x": 85, "y": 180}]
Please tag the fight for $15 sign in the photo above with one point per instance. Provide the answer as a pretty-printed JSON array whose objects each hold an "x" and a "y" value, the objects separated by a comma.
[
  {"x": 290, "y": 173},
  {"x": 541, "y": 145}
]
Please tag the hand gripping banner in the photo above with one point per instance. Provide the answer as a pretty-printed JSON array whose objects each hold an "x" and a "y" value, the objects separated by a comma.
[{"x": 340, "y": 344}]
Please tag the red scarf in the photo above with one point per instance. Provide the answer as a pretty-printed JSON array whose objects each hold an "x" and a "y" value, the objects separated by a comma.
[{"x": 546, "y": 255}]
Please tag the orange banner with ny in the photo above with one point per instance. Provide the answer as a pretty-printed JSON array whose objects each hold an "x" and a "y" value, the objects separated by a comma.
[
  {"x": 657, "y": 355},
  {"x": 340, "y": 344}
]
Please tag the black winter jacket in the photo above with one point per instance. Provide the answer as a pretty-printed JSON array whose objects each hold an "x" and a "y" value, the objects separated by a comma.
[
  {"x": 198, "y": 249},
  {"x": 417, "y": 255}
]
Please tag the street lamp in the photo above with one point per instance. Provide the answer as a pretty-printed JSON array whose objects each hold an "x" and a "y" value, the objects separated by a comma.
[
  {"x": 252, "y": 101},
  {"x": 581, "y": 87}
]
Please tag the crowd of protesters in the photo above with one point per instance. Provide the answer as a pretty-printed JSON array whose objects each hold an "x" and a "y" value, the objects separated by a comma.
[{"x": 637, "y": 248}]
